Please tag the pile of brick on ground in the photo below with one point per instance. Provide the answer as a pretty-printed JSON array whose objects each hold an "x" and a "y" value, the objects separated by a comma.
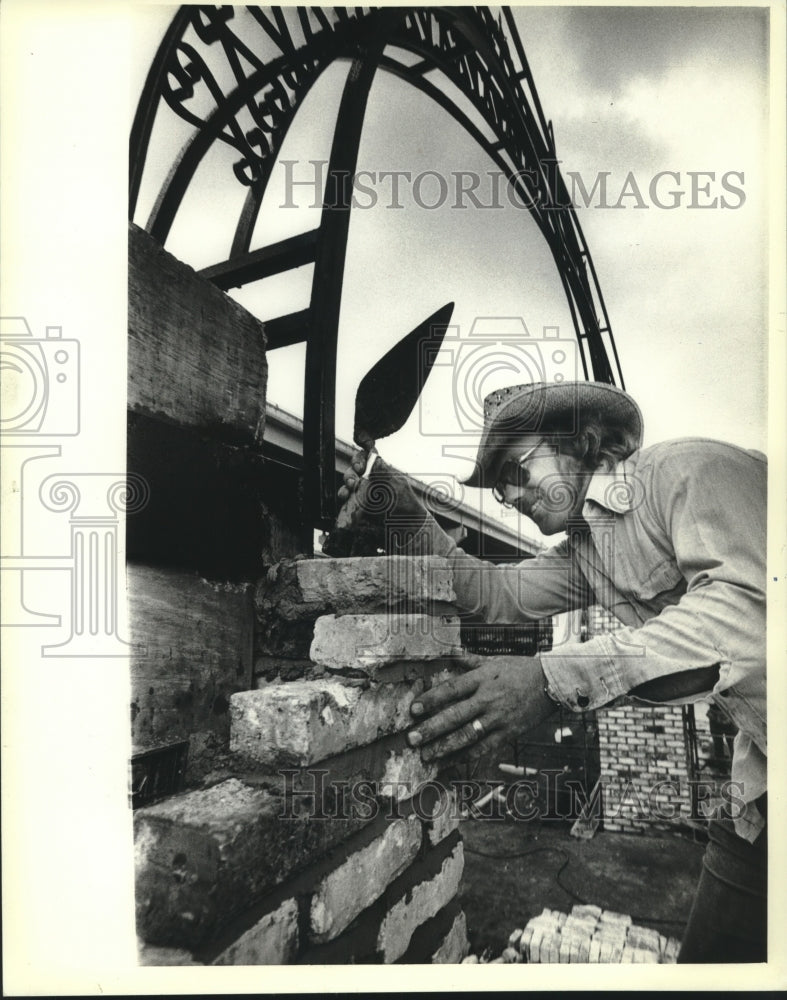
[{"x": 587, "y": 934}]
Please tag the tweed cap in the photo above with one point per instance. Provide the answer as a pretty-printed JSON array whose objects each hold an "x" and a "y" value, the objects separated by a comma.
[{"x": 540, "y": 407}]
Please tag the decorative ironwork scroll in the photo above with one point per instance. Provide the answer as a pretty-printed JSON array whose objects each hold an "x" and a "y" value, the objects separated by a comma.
[{"x": 253, "y": 90}]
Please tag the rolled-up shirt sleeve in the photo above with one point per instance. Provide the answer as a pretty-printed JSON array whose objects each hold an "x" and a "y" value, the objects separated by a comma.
[
  {"x": 710, "y": 503},
  {"x": 545, "y": 585}
]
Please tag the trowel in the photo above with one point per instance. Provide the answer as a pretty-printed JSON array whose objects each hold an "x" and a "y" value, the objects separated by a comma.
[{"x": 384, "y": 400}]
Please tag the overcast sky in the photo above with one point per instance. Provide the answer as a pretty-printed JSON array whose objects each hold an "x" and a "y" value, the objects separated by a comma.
[{"x": 632, "y": 93}]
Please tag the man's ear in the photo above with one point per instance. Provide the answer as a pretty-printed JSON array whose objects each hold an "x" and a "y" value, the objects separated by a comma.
[{"x": 584, "y": 446}]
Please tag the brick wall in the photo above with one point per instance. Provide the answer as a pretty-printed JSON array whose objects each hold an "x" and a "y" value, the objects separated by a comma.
[
  {"x": 326, "y": 839},
  {"x": 644, "y": 758}
]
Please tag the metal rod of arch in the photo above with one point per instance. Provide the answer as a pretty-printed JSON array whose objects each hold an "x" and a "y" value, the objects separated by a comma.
[{"x": 468, "y": 47}]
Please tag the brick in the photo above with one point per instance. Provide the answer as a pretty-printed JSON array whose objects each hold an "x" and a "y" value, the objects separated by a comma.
[
  {"x": 205, "y": 856},
  {"x": 376, "y": 583},
  {"x": 643, "y": 937},
  {"x": 606, "y": 952},
  {"x": 585, "y": 910},
  {"x": 273, "y": 940},
  {"x": 302, "y": 722},
  {"x": 405, "y": 773},
  {"x": 180, "y": 328},
  {"x": 611, "y": 917},
  {"x": 533, "y": 949},
  {"x": 419, "y": 904},
  {"x": 362, "y": 878},
  {"x": 444, "y": 818},
  {"x": 455, "y": 945},
  {"x": 365, "y": 644},
  {"x": 151, "y": 954},
  {"x": 579, "y": 928},
  {"x": 511, "y": 956},
  {"x": 307, "y": 588},
  {"x": 294, "y": 594},
  {"x": 194, "y": 650},
  {"x": 671, "y": 951},
  {"x": 579, "y": 947},
  {"x": 388, "y": 769},
  {"x": 554, "y": 942}
]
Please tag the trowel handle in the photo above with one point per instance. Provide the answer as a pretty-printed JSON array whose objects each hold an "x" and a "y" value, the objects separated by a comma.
[
  {"x": 355, "y": 500},
  {"x": 371, "y": 459},
  {"x": 341, "y": 538}
]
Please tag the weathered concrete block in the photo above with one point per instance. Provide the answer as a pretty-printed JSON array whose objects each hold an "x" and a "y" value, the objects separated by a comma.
[
  {"x": 444, "y": 817},
  {"x": 455, "y": 944},
  {"x": 404, "y": 774},
  {"x": 194, "y": 354},
  {"x": 421, "y": 903},
  {"x": 362, "y": 878},
  {"x": 294, "y": 594},
  {"x": 308, "y": 588},
  {"x": 273, "y": 940},
  {"x": 196, "y": 638},
  {"x": 365, "y": 644},
  {"x": 302, "y": 722},
  {"x": 205, "y": 856},
  {"x": 151, "y": 954}
]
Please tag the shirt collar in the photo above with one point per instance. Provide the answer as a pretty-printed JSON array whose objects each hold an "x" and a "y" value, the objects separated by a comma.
[{"x": 614, "y": 490}]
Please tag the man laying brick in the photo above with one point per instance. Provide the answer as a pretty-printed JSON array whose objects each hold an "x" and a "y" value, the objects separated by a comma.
[{"x": 671, "y": 540}]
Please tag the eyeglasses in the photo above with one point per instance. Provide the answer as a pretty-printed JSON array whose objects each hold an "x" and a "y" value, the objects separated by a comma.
[{"x": 514, "y": 474}]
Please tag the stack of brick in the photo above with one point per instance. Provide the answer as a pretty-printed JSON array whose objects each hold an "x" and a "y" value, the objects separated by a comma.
[
  {"x": 331, "y": 842},
  {"x": 588, "y": 935},
  {"x": 644, "y": 769}
]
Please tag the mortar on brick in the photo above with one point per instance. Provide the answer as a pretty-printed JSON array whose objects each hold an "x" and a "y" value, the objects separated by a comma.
[
  {"x": 204, "y": 856},
  {"x": 455, "y": 944},
  {"x": 366, "y": 643},
  {"x": 362, "y": 878},
  {"x": 421, "y": 903},
  {"x": 304, "y": 722},
  {"x": 273, "y": 940}
]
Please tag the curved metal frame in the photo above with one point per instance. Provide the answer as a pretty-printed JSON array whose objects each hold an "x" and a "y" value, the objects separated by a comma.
[{"x": 471, "y": 50}]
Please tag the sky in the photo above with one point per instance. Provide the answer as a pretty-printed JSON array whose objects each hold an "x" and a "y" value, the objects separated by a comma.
[
  {"x": 640, "y": 91},
  {"x": 632, "y": 94}
]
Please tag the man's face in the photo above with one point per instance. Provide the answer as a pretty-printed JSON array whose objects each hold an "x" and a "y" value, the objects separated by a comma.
[{"x": 541, "y": 483}]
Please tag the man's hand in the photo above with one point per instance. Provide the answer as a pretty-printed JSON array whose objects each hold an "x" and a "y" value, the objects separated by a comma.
[
  {"x": 505, "y": 694},
  {"x": 388, "y": 490}
]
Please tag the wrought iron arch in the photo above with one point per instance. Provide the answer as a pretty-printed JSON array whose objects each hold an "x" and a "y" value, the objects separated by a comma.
[{"x": 482, "y": 56}]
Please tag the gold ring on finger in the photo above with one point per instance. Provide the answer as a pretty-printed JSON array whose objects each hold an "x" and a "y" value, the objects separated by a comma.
[{"x": 478, "y": 728}]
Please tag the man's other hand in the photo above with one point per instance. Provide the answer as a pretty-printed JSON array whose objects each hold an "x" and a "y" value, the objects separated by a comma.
[{"x": 498, "y": 698}]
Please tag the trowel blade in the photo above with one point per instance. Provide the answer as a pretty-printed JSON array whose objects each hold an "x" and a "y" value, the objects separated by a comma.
[{"x": 390, "y": 389}]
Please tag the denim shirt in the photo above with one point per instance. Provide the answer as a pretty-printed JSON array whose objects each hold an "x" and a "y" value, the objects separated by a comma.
[{"x": 676, "y": 551}]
